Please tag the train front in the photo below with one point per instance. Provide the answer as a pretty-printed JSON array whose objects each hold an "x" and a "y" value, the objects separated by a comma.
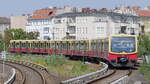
[{"x": 123, "y": 50}]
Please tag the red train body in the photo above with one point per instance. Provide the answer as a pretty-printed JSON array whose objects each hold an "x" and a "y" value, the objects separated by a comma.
[{"x": 100, "y": 49}]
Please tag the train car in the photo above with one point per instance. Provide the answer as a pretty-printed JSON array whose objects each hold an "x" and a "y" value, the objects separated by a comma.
[
  {"x": 123, "y": 50},
  {"x": 118, "y": 50}
]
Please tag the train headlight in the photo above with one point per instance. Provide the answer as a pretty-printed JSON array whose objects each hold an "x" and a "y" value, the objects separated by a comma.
[{"x": 123, "y": 59}]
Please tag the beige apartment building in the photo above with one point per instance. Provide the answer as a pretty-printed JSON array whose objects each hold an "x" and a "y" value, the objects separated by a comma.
[{"x": 19, "y": 21}]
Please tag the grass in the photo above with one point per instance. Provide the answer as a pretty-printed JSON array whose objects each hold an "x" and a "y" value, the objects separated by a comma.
[
  {"x": 57, "y": 64},
  {"x": 145, "y": 70}
]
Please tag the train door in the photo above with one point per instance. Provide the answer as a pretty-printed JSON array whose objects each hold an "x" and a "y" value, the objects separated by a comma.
[
  {"x": 23, "y": 46},
  {"x": 47, "y": 46},
  {"x": 77, "y": 47},
  {"x": 106, "y": 49},
  {"x": 67, "y": 46},
  {"x": 70, "y": 51},
  {"x": 40, "y": 47},
  {"x": 93, "y": 47},
  {"x": 52, "y": 47},
  {"x": 57, "y": 46},
  {"x": 86, "y": 47},
  {"x": 73, "y": 47},
  {"x": 12, "y": 46},
  {"x": 28, "y": 46},
  {"x": 64, "y": 47},
  {"x": 17, "y": 45},
  {"x": 60, "y": 47},
  {"x": 81, "y": 46},
  {"x": 44, "y": 46},
  {"x": 99, "y": 48}
]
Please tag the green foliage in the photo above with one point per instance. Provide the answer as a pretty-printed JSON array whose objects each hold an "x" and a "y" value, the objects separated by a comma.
[
  {"x": 55, "y": 60},
  {"x": 32, "y": 35},
  {"x": 18, "y": 34},
  {"x": 144, "y": 45},
  {"x": 145, "y": 70}
]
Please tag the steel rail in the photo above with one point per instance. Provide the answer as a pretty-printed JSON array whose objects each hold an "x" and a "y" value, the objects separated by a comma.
[
  {"x": 122, "y": 80},
  {"x": 22, "y": 74},
  {"x": 12, "y": 78},
  {"x": 33, "y": 66}
]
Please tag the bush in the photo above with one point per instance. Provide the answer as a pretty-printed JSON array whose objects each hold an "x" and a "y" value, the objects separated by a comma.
[
  {"x": 144, "y": 45},
  {"x": 55, "y": 60},
  {"x": 145, "y": 69}
]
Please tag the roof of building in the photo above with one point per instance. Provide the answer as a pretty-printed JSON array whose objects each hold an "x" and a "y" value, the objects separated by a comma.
[
  {"x": 43, "y": 13},
  {"x": 4, "y": 20},
  {"x": 92, "y": 14},
  {"x": 143, "y": 13}
]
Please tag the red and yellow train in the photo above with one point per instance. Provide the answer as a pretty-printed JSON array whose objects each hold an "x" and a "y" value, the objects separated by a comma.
[{"x": 118, "y": 50}]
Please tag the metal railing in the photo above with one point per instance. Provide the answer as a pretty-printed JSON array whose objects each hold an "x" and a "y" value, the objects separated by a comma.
[
  {"x": 88, "y": 77},
  {"x": 12, "y": 78}
]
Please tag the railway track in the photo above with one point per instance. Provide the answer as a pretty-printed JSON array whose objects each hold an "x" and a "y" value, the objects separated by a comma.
[
  {"x": 112, "y": 77},
  {"x": 27, "y": 73}
]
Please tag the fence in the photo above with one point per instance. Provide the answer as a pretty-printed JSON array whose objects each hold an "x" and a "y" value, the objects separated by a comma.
[{"x": 88, "y": 77}]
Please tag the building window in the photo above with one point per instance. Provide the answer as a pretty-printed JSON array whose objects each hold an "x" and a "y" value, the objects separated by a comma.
[
  {"x": 117, "y": 29},
  {"x": 100, "y": 30},
  {"x": 46, "y": 30},
  {"x": 47, "y": 38}
]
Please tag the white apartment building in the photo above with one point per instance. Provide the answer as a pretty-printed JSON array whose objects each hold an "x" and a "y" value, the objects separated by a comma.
[
  {"x": 43, "y": 26},
  {"x": 81, "y": 25},
  {"x": 93, "y": 25}
]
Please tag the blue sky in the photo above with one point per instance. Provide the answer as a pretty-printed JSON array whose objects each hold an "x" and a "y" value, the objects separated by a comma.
[{"x": 19, "y": 7}]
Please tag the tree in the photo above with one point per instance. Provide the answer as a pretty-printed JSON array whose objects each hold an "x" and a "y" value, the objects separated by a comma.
[
  {"x": 32, "y": 35},
  {"x": 144, "y": 45},
  {"x": 18, "y": 34}
]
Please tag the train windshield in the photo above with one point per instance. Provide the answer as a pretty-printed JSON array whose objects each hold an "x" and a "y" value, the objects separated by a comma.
[{"x": 123, "y": 44}]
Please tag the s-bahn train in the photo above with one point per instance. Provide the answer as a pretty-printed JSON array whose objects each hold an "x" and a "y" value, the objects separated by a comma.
[{"x": 118, "y": 50}]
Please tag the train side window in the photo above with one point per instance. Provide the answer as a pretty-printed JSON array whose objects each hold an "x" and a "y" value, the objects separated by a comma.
[
  {"x": 73, "y": 45},
  {"x": 17, "y": 45},
  {"x": 77, "y": 45},
  {"x": 13, "y": 45},
  {"x": 46, "y": 45},
  {"x": 33, "y": 45}
]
